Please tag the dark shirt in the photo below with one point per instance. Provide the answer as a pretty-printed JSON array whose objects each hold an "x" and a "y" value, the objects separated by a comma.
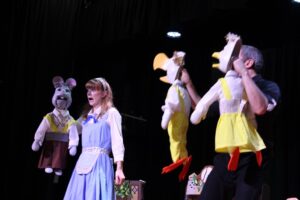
[
  {"x": 266, "y": 123},
  {"x": 269, "y": 88}
]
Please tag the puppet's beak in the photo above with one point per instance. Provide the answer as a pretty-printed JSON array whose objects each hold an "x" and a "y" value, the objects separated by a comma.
[
  {"x": 159, "y": 61},
  {"x": 217, "y": 56},
  {"x": 164, "y": 79}
]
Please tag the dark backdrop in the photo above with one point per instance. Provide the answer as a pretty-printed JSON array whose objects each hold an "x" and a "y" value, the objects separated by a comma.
[{"x": 118, "y": 40}]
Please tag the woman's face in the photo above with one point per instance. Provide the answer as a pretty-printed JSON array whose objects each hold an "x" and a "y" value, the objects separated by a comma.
[{"x": 95, "y": 96}]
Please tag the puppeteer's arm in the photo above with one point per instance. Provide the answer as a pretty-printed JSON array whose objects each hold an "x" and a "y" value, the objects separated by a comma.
[
  {"x": 185, "y": 78},
  {"x": 257, "y": 100}
]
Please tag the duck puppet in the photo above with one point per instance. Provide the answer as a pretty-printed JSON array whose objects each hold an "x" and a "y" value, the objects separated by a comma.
[
  {"x": 176, "y": 111},
  {"x": 235, "y": 132}
]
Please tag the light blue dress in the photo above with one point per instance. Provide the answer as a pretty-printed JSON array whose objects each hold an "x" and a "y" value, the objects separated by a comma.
[{"x": 93, "y": 176}]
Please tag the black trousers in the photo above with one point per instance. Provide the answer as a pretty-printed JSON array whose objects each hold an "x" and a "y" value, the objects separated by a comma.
[{"x": 243, "y": 184}]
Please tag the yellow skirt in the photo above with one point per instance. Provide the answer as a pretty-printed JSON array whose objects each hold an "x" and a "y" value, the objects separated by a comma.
[{"x": 234, "y": 130}]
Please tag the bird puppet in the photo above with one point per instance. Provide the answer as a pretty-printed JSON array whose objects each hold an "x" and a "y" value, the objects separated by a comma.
[
  {"x": 176, "y": 110},
  {"x": 236, "y": 129}
]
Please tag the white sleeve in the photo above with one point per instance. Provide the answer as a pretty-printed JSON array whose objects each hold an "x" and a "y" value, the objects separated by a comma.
[
  {"x": 166, "y": 118},
  {"x": 115, "y": 122},
  {"x": 203, "y": 105},
  {"x": 171, "y": 105},
  {"x": 79, "y": 125},
  {"x": 41, "y": 131},
  {"x": 73, "y": 135},
  {"x": 172, "y": 102}
]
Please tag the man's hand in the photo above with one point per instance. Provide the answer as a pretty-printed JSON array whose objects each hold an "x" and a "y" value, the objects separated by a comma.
[{"x": 239, "y": 66}]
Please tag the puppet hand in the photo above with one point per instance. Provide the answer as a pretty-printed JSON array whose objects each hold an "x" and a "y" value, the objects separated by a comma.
[
  {"x": 73, "y": 150},
  {"x": 35, "y": 145},
  {"x": 196, "y": 117}
]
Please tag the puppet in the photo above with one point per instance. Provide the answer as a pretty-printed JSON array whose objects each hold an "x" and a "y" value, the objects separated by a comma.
[
  {"x": 176, "y": 111},
  {"x": 57, "y": 133},
  {"x": 235, "y": 133}
]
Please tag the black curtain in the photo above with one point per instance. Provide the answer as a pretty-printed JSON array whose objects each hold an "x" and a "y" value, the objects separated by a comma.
[{"x": 118, "y": 40}]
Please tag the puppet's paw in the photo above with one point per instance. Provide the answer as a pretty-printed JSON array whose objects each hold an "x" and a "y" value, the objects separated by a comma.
[
  {"x": 35, "y": 145},
  {"x": 73, "y": 150},
  {"x": 58, "y": 172},
  {"x": 48, "y": 170}
]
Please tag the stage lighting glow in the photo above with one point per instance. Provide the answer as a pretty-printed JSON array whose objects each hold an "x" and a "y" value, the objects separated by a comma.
[{"x": 173, "y": 34}]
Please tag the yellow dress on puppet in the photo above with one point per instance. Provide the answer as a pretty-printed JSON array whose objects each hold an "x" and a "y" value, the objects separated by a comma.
[
  {"x": 236, "y": 129},
  {"x": 176, "y": 111},
  {"x": 177, "y": 128}
]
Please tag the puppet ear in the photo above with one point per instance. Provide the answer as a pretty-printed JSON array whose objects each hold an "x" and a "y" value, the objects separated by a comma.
[
  {"x": 57, "y": 81},
  {"x": 71, "y": 83}
]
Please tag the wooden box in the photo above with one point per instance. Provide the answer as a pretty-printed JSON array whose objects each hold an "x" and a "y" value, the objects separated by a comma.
[{"x": 135, "y": 190}]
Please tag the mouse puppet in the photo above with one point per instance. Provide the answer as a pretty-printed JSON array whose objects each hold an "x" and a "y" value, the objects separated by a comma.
[{"x": 57, "y": 133}]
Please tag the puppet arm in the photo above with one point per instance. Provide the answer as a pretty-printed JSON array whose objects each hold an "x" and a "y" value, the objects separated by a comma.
[
  {"x": 166, "y": 118},
  {"x": 78, "y": 124},
  {"x": 73, "y": 139},
  {"x": 203, "y": 105},
  {"x": 40, "y": 135},
  {"x": 172, "y": 104},
  {"x": 199, "y": 113}
]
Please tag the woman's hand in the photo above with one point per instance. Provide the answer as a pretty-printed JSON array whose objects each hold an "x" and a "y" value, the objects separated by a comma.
[{"x": 120, "y": 177}]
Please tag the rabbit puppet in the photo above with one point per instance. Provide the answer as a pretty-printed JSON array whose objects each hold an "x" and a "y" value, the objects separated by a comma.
[{"x": 57, "y": 133}]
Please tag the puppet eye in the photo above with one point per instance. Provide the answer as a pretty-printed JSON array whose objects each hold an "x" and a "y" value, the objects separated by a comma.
[{"x": 68, "y": 90}]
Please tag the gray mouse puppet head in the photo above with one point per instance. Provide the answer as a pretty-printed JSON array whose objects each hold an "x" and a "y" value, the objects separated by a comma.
[{"x": 62, "y": 97}]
